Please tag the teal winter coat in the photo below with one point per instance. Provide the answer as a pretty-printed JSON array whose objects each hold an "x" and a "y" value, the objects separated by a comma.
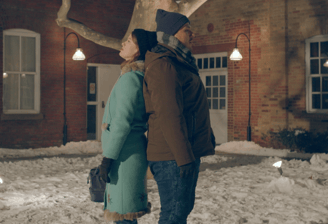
[{"x": 123, "y": 139}]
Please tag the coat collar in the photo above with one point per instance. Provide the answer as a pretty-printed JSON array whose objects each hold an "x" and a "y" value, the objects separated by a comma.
[
  {"x": 134, "y": 66},
  {"x": 167, "y": 51}
]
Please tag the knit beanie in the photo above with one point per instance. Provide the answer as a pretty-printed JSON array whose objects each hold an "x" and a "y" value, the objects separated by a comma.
[
  {"x": 170, "y": 22},
  {"x": 146, "y": 41}
]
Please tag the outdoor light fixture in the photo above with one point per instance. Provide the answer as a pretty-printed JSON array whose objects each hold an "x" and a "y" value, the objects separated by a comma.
[
  {"x": 5, "y": 75},
  {"x": 278, "y": 165},
  {"x": 78, "y": 56},
  {"x": 326, "y": 64},
  {"x": 236, "y": 56},
  {"x": 1, "y": 181}
]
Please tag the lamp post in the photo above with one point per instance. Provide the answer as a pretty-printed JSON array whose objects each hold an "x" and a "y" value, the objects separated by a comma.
[
  {"x": 236, "y": 56},
  {"x": 78, "y": 56}
]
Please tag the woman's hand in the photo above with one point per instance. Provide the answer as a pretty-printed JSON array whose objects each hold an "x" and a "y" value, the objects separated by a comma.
[{"x": 104, "y": 169}]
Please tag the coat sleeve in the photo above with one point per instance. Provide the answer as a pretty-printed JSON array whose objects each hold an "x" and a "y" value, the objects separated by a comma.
[
  {"x": 127, "y": 91},
  {"x": 166, "y": 98}
]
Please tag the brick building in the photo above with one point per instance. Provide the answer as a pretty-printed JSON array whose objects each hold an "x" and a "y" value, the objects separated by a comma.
[
  {"x": 34, "y": 117},
  {"x": 289, "y": 85},
  {"x": 289, "y": 44}
]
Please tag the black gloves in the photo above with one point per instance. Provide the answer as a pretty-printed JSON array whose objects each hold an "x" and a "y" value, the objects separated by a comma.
[
  {"x": 188, "y": 170},
  {"x": 104, "y": 169}
]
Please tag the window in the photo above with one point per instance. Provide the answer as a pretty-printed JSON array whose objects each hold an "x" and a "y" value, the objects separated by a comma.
[
  {"x": 215, "y": 87},
  {"x": 21, "y": 72},
  {"x": 212, "y": 62},
  {"x": 316, "y": 74}
]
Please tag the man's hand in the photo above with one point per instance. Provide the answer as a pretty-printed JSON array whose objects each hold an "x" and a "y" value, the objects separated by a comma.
[
  {"x": 104, "y": 169},
  {"x": 188, "y": 170}
]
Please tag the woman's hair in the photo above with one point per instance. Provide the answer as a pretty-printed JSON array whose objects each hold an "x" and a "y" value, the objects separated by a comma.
[{"x": 134, "y": 39}]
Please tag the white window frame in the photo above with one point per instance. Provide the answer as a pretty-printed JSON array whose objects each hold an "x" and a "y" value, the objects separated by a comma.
[
  {"x": 220, "y": 69},
  {"x": 26, "y": 33},
  {"x": 319, "y": 38}
]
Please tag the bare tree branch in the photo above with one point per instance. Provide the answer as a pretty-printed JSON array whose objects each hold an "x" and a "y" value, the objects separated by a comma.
[{"x": 143, "y": 17}]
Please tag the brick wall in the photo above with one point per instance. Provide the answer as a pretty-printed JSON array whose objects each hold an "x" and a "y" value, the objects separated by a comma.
[
  {"x": 108, "y": 17},
  {"x": 277, "y": 31}
]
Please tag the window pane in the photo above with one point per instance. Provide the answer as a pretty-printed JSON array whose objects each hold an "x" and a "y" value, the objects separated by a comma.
[
  {"x": 205, "y": 63},
  {"x": 224, "y": 62},
  {"x": 208, "y": 80},
  {"x": 199, "y": 62},
  {"x": 215, "y": 92},
  {"x": 91, "y": 122},
  {"x": 211, "y": 62},
  {"x": 10, "y": 92},
  {"x": 11, "y": 53},
  {"x": 324, "y": 49},
  {"x": 324, "y": 101},
  {"x": 215, "y": 80},
  {"x": 27, "y": 92},
  {"x": 222, "y": 104},
  {"x": 314, "y": 64},
  {"x": 218, "y": 62},
  {"x": 222, "y": 80},
  {"x": 324, "y": 70},
  {"x": 222, "y": 92},
  {"x": 316, "y": 84},
  {"x": 28, "y": 54},
  {"x": 215, "y": 104},
  {"x": 325, "y": 84},
  {"x": 92, "y": 88},
  {"x": 316, "y": 101},
  {"x": 314, "y": 50},
  {"x": 209, "y": 103},
  {"x": 208, "y": 92}
]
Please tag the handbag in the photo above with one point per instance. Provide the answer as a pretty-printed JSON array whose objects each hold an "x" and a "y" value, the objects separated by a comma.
[{"x": 97, "y": 185}]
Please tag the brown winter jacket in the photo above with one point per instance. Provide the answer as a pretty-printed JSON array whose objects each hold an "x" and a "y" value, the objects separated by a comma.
[{"x": 176, "y": 102}]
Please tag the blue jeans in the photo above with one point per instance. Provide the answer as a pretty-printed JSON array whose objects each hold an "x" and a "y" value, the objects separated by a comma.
[
  {"x": 126, "y": 222},
  {"x": 177, "y": 195}
]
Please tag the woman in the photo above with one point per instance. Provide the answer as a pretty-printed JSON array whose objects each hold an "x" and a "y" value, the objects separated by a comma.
[{"x": 123, "y": 141}]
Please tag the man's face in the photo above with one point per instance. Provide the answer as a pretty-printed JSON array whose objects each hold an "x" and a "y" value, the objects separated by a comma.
[{"x": 185, "y": 36}]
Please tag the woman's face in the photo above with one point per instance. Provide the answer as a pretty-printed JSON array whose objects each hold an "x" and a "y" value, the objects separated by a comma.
[{"x": 129, "y": 49}]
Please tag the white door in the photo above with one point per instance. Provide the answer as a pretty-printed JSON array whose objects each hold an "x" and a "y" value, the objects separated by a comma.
[
  {"x": 105, "y": 79},
  {"x": 213, "y": 72}
]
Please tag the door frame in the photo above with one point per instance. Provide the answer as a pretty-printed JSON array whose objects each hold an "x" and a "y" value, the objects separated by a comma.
[
  {"x": 222, "y": 69},
  {"x": 98, "y": 101}
]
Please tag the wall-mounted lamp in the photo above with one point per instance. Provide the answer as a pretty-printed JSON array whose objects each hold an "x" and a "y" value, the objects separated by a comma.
[
  {"x": 78, "y": 56},
  {"x": 5, "y": 75},
  {"x": 236, "y": 56}
]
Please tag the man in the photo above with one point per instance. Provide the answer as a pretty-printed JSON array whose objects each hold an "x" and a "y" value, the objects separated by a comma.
[{"x": 179, "y": 122}]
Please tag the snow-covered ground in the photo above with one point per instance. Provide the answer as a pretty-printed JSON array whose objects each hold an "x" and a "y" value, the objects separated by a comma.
[{"x": 232, "y": 189}]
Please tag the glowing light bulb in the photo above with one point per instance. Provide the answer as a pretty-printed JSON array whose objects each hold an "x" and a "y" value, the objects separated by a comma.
[
  {"x": 78, "y": 56},
  {"x": 235, "y": 55},
  {"x": 277, "y": 164}
]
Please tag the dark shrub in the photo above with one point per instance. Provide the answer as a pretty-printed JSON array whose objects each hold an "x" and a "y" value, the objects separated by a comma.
[{"x": 299, "y": 140}]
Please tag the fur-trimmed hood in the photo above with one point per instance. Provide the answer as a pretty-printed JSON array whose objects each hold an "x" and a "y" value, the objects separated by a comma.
[{"x": 134, "y": 66}]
